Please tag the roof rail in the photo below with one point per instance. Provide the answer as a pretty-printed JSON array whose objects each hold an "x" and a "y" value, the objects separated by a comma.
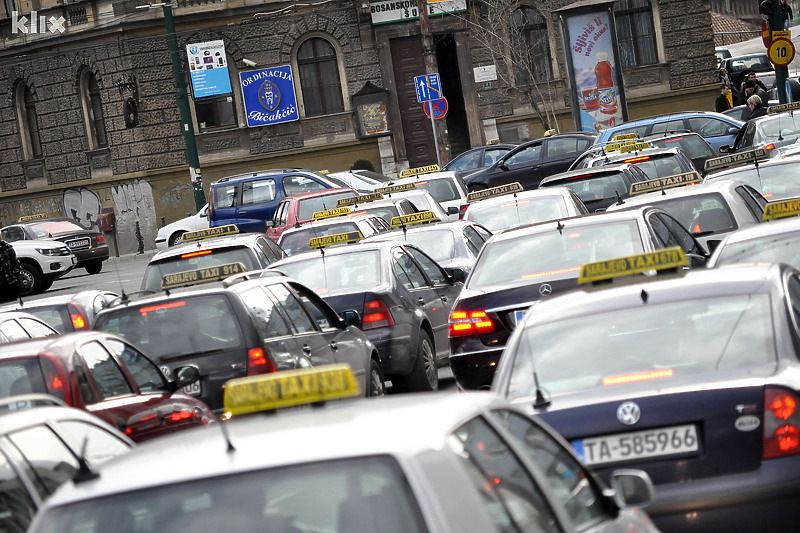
[{"x": 23, "y": 401}]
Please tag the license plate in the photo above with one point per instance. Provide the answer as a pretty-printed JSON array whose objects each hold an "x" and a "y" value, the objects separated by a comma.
[
  {"x": 637, "y": 445},
  {"x": 78, "y": 244},
  {"x": 193, "y": 389}
]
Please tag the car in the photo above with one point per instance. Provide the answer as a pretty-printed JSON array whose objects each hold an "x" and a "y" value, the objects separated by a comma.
[
  {"x": 480, "y": 157},
  {"x": 447, "y": 187},
  {"x": 737, "y": 66},
  {"x": 742, "y": 112},
  {"x": 42, "y": 262},
  {"x": 89, "y": 246},
  {"x": 402, "y": 296},
  {"x": 496, "y": 210},
  {"x": 721, "y": 54},
  {"x": 716, "y": 128},
  {"x": 18, "y": 326},
  {"x": 385, "y": 208},
  {"x": 441, "y": 463},
  {"x": 210, "y": 248},
  {"x": 361, "y": 180},
  {"x": 66, "y": 312},
  {"x": 520, "y": 267},
  {"x": 775, "y": 178},
  {"x": 451, "y": 244},
  {"x": 529, "y": 162},
  {"x": 296, "y": 210},
  {"x": 171, "y": 234},
  {"x": 600, "y": 186},
  {"x": 710, "y": 211},
  {"x": 774, "y": 130},
  {"x": 44, "y": 444},
  {"x": 106, "y": 376},
  {"x": 240, "y": 327},
  {"x": 249, "y": 200},
  {"x": 296, "y": 240},
  {"x": 691, "y": 377},
  {"x": 423, "y": 201},
  {"x": 654, "y": 162}
]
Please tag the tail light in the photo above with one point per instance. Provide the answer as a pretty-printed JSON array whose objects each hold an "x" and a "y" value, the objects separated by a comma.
[
  {"x": 79, "y": 320},
  {"x": 781, "y": 423},
  {"x": 55, "y": 377},
  {"x": 470, "y": 323},
  {"x": 180, "y": 416},
  {"x": 100, "y": 239},
  {"x": 259, "y": 361},
  {"x": 462, "y": 211},
  {"x": 376, "y": 315},
  {"x": 770, "y": 146}
]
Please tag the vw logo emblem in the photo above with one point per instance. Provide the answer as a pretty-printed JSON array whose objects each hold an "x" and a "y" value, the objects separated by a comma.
[
  {"x": 545, "y": 289},
  {"x": 628, "y": 413}
]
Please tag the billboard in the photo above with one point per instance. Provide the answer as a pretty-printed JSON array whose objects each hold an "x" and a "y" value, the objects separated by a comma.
[
  {"x": 269, "y": 96},
  {"x": 208, "y": 68}
]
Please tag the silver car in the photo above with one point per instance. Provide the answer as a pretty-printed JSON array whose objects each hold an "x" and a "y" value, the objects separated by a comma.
[{"x": 527, "y": 207}]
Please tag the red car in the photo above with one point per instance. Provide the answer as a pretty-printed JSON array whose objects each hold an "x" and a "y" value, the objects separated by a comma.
[
  {"x": 104, "y": 375},
  {"x": 299, "y": 209}
]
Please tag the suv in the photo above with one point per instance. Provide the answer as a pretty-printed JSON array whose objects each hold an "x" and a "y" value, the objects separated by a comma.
[
  {"x": 42, "y": 262},
  {"x": 249, "y": 200},
  {"x": 737, "y": 66},
  {"x": 297, "y": 210}
]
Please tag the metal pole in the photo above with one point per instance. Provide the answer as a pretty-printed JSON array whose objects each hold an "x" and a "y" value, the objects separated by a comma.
[{"x": 435, "y": 137}]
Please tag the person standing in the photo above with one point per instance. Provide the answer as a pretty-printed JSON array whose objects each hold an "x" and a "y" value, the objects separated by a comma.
[
  {"x": 725, "y": 99},
  {"x": 786, "y": 13},
  {"x": 10, "y": 272},
  {"x": 756, "y": 108}
]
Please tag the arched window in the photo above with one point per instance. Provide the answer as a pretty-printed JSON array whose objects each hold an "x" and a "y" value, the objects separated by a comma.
[
  {"x": 319, "y": 77},
  {"x": 635, "y": 32},
  {"x": 28, "y": 123},
  {"x": 93, "y": 110},
  {"x": 534, "y": 46}
]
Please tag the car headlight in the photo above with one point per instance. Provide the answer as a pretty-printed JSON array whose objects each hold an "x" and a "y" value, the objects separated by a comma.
[{"x": 49, "y": 251}]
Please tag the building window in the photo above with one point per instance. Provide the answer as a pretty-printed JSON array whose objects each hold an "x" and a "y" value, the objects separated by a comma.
[
  {"x": 93, "y": 110},
  {"x": 635, "y": 32},
  {"x": 534, "y": 44},
  {"x": 319, "y": 78},
  {"x": 28, "y": 123}
]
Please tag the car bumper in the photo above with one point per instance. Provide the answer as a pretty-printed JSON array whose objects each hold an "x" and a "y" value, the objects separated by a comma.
[
  {"x": 394, "y": 348},
  {"x": 475, "y": 370},
  {"x": 94, "y": 254},
  {"x": 161, "y": 244},
  {"x": 55, "y": 267}
]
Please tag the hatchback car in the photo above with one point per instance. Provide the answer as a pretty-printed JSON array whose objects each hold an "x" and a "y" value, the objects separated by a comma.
[
  {"x": 171, "y": 234},
  {"x": 297, "y": 210},
  {"x": 66, "y": 312},
  {"x": 654, "y": 162},
  {"x": 447, "y": 188},
  {"x": 18, "y": 326},
  {"x": 295, "y": 240},
  {"x": 507, "y": 211},
  {"x": 598, "y": 187}
]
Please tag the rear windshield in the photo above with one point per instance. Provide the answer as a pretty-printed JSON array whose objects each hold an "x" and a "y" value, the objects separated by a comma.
[
  {"x": 779, "y": 182},
  {"x": 775, "y": 249},
  {"x": 519, "y": 212},
  {"x": 553, "y": 255},
  {"x": 21, "y": 376},
  {"x": 297, "y": 241},
  {"x": 442, "y": 190},
  {"x": 781, "y": 130},
  {"x": 196, "y": 325},
  {"x": 196, "y": 259},
  {"x": 594, "y": 187},
  {"x": 386, "y": 212},
  {"x": 55, "y": 316},
  {"x": 659, "y": 166},
  {"x": 692, "y": 337},
  {"x": 353, "y": 272},
  {"x": 309, "y": 206},
  {"x": 693, "y": 146},
  {"x": 702, "y": 213}
]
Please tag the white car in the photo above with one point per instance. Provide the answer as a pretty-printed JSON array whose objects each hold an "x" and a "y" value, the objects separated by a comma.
[
  {"x": 43, "y": 261},
  {"x": 447, "y": 188},
  {"x": 171, "y": 234}
]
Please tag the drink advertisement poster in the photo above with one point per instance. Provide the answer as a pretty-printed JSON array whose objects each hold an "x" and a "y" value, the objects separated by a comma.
[
  {"x": 598, "y": 98},
  {"x": 268, "y": 95}
]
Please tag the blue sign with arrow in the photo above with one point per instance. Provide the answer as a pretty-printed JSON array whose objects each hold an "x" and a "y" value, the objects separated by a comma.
[{"x": 429, "y": 88}]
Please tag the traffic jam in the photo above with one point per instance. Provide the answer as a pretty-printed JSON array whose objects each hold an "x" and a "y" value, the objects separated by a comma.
[{"x": 623, "y": 334}]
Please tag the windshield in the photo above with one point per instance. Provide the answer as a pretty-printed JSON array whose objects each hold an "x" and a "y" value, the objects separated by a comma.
[
  {"x": 176, "y": 327},
  {"x": 296, "y": 241},
  {"x": 776, "y": 182},
  {"x": 778, "y": 249},
  {"x": 700, "y": 213},
  {"x": 780, "y": 130},
  {"x": 653, "y": 341},
  {"x": 517, "y": 212},
  {"x": 553, "y": 255},
  {"x": 194, "y": 260},
  {"x": 51, "y": 227},
  {"x": 352, "y": 272},
  {"x": 309, "y": 206}
]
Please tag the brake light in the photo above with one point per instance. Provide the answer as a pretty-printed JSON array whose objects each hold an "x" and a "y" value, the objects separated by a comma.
[
  {"x": 195, "y": 254},
  {"x": 354, "y": 213},
  {"x": 55, "y": 377},
  {"x": 376, "y": 315},
  {"x": 673, "y": 140},
  {"x": 580, "y": 177},
  {"x": 770, "y": 146},
  {"x": 638, "y": 376},
  {"x": 77, "y": 317},
  {"x": 637, "y": 159},
  {"x": 518, "y": 202},
  {"x": 781, "y": 423},
  {"x": 151, "y": 308},
  {"x": 178, "y": 416},
  {"x": 100, "y": 239},
  {"x": 259, "y": 362},
  {"x": 462, "y": 211},
  {"x": 696, "y": 228},
  {"x": 470, "y": 323}
]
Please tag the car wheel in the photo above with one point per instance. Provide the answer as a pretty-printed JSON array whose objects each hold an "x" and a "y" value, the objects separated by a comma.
[
  {"x": 476, "y": 187},
  {"x": 424, "y": 376},
  {"x": 31, "y": 280},
  {"x": 375, "y": 385},
  {"x": 176, "y": 238},
  {"x": 94, "y": 268}
]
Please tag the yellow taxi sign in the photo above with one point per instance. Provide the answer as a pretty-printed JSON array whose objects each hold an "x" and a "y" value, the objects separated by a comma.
[
  {"x": 731, "y": 160},
  {"x": 771, "y": 110},
  {"x": 623, "y": 136},
  {"x": 27, "y": 218},
  {"x": 362, "y": 199},
  {"x": 781, "y": 209},
  {"x": 338, "y": 238},
  {"x": 613, "y": 147},
  {"x": 635, "y": 147},
  {"x": 634, "y": 264},
  {"x": 500, "y": 190},
  {"x": 419, "y": 170},
  {"x": 549, "y": 133},
  {"x": 414, "y": 218},
  {"x": 396, "y": 188},
  {"x": 330, "y": 213},
  {"x": 218, "y": 231},
  {"x": 667, "y": 182},
  {"x": 188, "y": 278},
  {"x": 289, "y": 388}
]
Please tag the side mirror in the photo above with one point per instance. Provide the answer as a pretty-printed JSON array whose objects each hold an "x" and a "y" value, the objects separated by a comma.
[
  {"x": 351, "y": 318},
  {"x": 632, "y": 488},
  {"x": 724, "y": 149},
  {"x": 502, "y": 166},
  {"x": 269, "y": 223},
  {"x": 697, "y": 261},
  {"x": 457, "y": 275},
  {"x": 186, "y": 375},
  {"x": 734, "y": 131},
  {"x": 452, "y": 210}
]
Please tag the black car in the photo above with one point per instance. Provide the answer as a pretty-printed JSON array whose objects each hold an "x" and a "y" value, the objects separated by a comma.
[
  {"x": 403, "y": 298},
  {"x": 88, "y": 245},
  {"x": 480, "y": 157},
  {"x": 529, "y": 162},
  {"x": 519, "y": 267},
  {"x": 598, "y": 187}
]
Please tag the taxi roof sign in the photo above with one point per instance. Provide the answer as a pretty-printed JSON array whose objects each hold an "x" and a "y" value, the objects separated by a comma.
[
  {"x": 338, "y": 238},
  {"x": 396, "y": 188},
  {"x": 330, "y": 213},
  {"x": 289, "y": 388},
  {"x": 623, "y": 136},
  {"x": 782, "y": 107},
  {"x": 218, "y": 231},
  {"x": 731, "y": 160},
  {"x": 361, "y": 199},
  {"x": 635, "y": 147},
  {"x": 613, "y": 147},
  {"x": 188, "y": 278},
  {"x": 414, "y": 218},
  {"x": 665, "y": 259},
  {"x": 501, "y": 190},
  {"x": 27, "y": 218},
  {"x": 419, "y": 170},
  {"x": 667, "y": 182},
  {"x": 781, "y": 209}
]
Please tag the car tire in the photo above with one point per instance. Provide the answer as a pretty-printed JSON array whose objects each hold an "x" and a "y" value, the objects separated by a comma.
[
  {"x": 375, "y": 382},
  {"x": 31, "y": 280},
  {"x": 424, "y": 376},
  {"x": 94, "y": 268},
  {"x": 175, "y": 238},
  {"x": 476, "y": 187},
  {"x": 46, "y": 284}
]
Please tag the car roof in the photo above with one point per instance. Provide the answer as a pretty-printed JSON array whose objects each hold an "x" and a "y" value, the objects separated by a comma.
[
  {"x": 307, "y": 226},
  {"x": 237, "y": 239},
  {"x": 760, "y": 231},
  {"x": 679, "y": 192},
  {"x": 13, "y": 420},
  {"x": 666, "y": 117},
  {"x": 264, "y": 173},
  {"x": 397, "y": 234},
  {"x": 314, "y": 194},
  {"x": 338, "y": 250},
  {"x": 603, "y": 169},
  {"x": 439, "y": 175},
  {"x": 51, "y": 300},
  {"x": 552, "y": 192}
]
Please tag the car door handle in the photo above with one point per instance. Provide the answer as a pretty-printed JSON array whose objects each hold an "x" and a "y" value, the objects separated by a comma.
[
  {"x": 420, "y": 301},
  {"x": 242, "y": 212},
  {"x": 334, "y": 346},
  {"x": 306, "y": 349},
  {"x": 444, "y": 299}
]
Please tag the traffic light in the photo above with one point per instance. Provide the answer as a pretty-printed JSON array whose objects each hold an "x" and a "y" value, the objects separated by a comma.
[{"x": 765, "y": 7}]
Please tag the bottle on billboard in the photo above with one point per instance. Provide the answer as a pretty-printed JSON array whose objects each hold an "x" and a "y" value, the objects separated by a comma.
[{"x": 606, "y": 90}]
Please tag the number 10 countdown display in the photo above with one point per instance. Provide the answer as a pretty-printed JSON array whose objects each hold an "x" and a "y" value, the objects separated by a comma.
[{"x": 781, "y": 52}]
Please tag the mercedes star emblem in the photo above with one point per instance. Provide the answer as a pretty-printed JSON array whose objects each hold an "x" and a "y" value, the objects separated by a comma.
[
  {"x": 545, "y": 289},
  {"x": 628, "y": 413}
]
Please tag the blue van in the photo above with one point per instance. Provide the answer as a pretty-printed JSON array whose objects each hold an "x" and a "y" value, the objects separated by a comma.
[{"x": 249, "y": 200}]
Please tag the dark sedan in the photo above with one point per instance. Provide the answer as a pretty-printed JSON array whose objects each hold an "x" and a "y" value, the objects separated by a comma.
[
  {"x": 480, "y": 157},
  {"x": 598, "y": 187}
]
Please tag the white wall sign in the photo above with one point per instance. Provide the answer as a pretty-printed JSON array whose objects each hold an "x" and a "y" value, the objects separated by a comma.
[{"x": 486, "y": 73}]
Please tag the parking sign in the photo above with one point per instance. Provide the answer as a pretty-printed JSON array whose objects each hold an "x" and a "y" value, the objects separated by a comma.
[{"x": 428, "y": 87}]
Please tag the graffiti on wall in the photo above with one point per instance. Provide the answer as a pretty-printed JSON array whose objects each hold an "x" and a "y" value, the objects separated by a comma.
[
  {"x": 11, "y": 211},
  {"x": 82, "y": 205},
  {"x": 133, "y": 202}
]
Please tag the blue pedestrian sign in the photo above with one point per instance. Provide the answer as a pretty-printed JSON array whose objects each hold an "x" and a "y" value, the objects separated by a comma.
[{"x": 428, "y": 88}]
